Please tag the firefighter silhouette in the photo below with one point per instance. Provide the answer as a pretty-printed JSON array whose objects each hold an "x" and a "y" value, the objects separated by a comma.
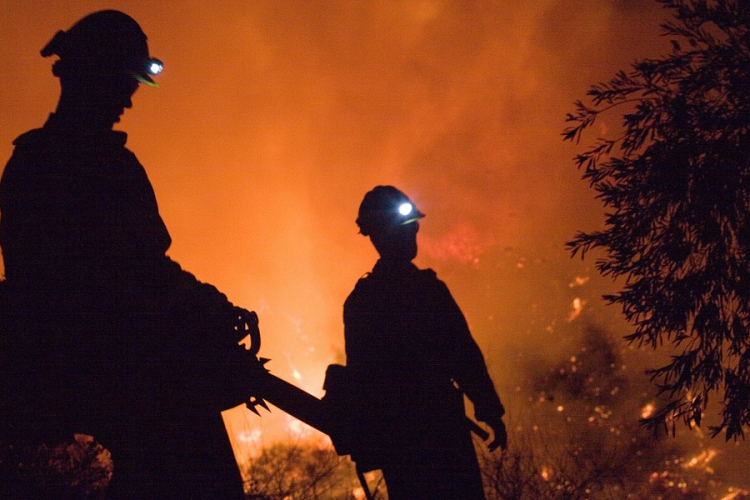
[
  {"x": 412, "y": 358},
  {"x": 102, "y": 333}
]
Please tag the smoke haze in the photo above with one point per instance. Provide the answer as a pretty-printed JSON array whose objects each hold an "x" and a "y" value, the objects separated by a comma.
[{"x": 273, "y": 118}]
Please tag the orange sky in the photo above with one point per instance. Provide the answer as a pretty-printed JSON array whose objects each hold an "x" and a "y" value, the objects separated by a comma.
[{"x": 274, "y": 117}]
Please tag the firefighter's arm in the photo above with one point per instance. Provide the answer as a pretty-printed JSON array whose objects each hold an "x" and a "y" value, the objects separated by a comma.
[
  {"x": 500, "y": 435},
  {"x": 198, "y": 302},
  {"x": 470, "y": 372}
]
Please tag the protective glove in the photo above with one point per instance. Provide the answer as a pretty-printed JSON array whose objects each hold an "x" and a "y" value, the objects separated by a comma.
[
  {"x": 500, "y": 435},
  {"x": 245, "y": 328}
]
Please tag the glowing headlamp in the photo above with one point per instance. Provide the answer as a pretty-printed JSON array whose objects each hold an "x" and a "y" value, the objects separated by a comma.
[
  {"x": 151, "y": 67},
  {"x": 154, "y": 66},
  {"x": 408, "y": 213},
  {"x": 386, "y": 208},
  {"x": 405, "y": 209}
]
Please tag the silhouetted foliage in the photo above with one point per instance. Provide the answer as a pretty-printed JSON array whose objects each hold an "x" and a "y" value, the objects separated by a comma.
[
  {"x": 306, "y": 471},
  {"x": 79, "y": 469},
  {"x": 577, "y": 440},
  {"x": 576, "y": 437},
  {"x": 676, "y": 188}
]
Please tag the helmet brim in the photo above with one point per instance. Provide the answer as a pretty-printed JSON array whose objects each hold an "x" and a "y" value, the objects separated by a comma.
[{"x": 144, "y": 79}]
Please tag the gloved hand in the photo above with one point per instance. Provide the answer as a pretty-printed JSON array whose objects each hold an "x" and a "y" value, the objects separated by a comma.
[
  {"x": 500, "y": 435},
  {"x": 245, "y": 328}
]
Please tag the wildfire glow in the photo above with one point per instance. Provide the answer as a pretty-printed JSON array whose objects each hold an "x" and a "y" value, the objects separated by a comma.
[
  {"x": 546, "y": 473},
  {"x": 701, "y": 460},
  {"x": 577, "y": 308},
  {"x": 579, "y": 281},
  {"x": 297, "y": 428},
  {"x": 463, "y": 243},
  {"x": 251, "y": 436},
  {"x": 735, "y": 493},
  {"x": 647, "y": 411},
  {"x": 271, "y": 222}
]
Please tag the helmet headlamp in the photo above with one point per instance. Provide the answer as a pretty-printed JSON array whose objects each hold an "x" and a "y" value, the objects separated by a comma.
[
  {"x": 385, "y": 207},
  {"x": 405, "y": 209},
  {"x": 154, "y": 66},
  {"x": 151, "y": 67},
  {"x": 106, "y": 42}
]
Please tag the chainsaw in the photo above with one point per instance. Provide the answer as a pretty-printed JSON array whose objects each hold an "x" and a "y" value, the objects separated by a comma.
[{"x": 291, "y": 399}]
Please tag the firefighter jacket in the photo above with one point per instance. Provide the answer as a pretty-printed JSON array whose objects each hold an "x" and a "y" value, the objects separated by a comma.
[
  {"x": 100, "y": 326},
  {"x": 412, "y": 356}
]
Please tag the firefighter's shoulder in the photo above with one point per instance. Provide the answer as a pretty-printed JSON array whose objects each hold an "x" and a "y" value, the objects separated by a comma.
[
  {"x": 428, "y": 274},
  {"x": 364, "y": 283}
]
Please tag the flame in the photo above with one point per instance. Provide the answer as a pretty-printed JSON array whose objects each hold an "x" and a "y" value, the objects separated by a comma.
[
  {"x": 701, "y": 460},
  {"x": 578, "y": 304},
  {"x": 546, "y": 473},
  {"x": 647, "y": 411},
  {"x": 579, "y": 281},
  {"x": 463, "y": 243},
  {"x": 733, "y": 494},
  {"x": 296, "y": 427},
  {"x": 250, "y": 436}
]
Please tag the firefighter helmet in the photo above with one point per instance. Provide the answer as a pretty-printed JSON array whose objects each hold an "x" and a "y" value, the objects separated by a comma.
[
  {"x": 384, "y": 207},
  {"x": 104, "y": 42}
]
